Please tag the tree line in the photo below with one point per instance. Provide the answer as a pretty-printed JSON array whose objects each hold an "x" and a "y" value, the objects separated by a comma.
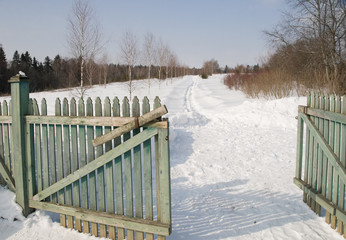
[
  {"x": 310, "y": 45},
  {"x": 62, "y": 72}
]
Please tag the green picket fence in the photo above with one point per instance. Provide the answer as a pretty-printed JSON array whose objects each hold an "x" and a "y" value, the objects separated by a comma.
[
  {"x": 119, "y": 189},
  {"x": 321, "y": 156}
]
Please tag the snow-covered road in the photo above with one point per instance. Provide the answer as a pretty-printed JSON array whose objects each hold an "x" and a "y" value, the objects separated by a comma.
[{"x": 232, "y": 165}]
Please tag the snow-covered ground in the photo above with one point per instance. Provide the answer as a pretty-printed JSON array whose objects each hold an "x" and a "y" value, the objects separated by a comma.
[{"x": 232, "y": 167}]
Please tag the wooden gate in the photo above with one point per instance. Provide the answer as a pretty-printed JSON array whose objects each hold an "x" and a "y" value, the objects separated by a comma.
[
  {"x": 321, "y": 158},
  {"x": 118, "y": 189}
]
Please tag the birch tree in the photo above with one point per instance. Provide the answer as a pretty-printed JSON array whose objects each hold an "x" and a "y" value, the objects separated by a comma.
[
  {"x": 129, "y": 54},
  {"x": 84, "y": 36},
  {"x": 149, "y": 53}
]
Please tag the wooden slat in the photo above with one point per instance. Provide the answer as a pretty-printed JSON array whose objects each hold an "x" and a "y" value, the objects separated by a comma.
[
  {"x": 71, "y": 120},
  {"x": 101, "y": 196},
  {"x": 147, "y": 168},
  {"x": 91, "y": 158},
  {"x": 5, "y": 119},
  {"x": 67, "y": 160},
  {"x": 6, "y": 174},
  {"x": 83, "y": 162},
  {"x": 52, "y": 160},
  {"x": 337, "y": 153},
  {"x": 6, "y": 140},
  {"x": 332, "y": 116},
  {"x": 118, "y": 172},
  {"x": 307, "y": 153},
  {"x": 59, "y": 160},
  {"x": 106, "y": 218},
  {"x": 1, "y": 139},
  {"x": 128, "y": 170},
  {"x": 45, "y": 156},
  {"x": 164, "y": 180},
  {"x": 300, "y": 136},
  {"x": 109, "y": 172},
  {"x": 38, "y": 148},
  {"x": 320, "y": 154},
  {"x": 329, "y": 217},
  {"x": 75, "y": 163},
  {"x": 137, "y": 170}
]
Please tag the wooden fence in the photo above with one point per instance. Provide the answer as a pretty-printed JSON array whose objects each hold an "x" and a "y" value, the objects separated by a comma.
[
  {"x": 321, "y": 157},
  {"x": 119, "y": 189}
]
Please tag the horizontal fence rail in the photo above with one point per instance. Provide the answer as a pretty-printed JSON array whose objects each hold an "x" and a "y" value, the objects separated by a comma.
[
  {"x": 119, "y": 189},
  {"x": 321, "y": 156}
]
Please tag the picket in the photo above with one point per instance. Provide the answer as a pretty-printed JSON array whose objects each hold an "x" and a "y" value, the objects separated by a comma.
[{"x": 107, "y": 190}]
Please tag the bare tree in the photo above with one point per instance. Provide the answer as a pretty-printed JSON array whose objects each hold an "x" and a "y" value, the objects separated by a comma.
[
  {"x": 84, "y": 36},
  {"x": 160, "y": 56},
  {"x": 316, "y": 28},
  {"x": 104, "y": 68},
  {"x": 149, "y": 53},
  {"x": 129, "y": 54}
]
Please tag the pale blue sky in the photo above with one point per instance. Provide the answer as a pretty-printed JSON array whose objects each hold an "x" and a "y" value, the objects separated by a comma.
[{"x": 229, "y": 31}]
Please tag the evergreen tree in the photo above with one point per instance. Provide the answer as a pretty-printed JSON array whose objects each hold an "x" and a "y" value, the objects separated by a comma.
[
  {"x": 15, "y": 64},
  {"x": 3, "y": 71}
]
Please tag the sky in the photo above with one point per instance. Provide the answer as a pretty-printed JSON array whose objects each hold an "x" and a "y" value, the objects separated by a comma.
[{"x": 230, "y": 31}]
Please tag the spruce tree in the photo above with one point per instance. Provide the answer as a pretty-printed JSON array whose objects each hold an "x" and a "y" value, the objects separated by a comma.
[{"x": 3, "y": 71}]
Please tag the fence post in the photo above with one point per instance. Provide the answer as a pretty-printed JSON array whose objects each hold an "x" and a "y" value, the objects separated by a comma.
[{"x": 20, "y": 108}]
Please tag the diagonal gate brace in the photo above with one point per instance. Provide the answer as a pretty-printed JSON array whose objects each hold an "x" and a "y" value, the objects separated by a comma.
[
  {"x": 138, "y": 122},
  {"x": 98, "y": 162}
]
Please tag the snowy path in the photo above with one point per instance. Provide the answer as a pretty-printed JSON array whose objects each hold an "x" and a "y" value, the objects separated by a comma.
[
  {"x": 232, "y": 165},
  {"x": 232, "y": 168}
]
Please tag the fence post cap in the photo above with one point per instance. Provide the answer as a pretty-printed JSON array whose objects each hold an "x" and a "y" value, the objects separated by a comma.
[{"x": 18, "y": 78}]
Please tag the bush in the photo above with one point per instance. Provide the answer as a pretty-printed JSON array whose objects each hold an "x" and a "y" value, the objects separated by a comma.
[
  {"x": 204, "y": 76},
  {"x": 267, "y": 84}
]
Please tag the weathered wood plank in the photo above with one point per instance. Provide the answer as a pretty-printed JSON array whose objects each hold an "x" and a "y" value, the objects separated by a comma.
[
  {"x": 109, "y": 172},
  {"x": 91, "y": 158},
  {"x": 329, "y": 217},
  {"x": 83, "y": 162},
  {"x": 38, "y": 148},
  {"x": 147, "y": 168},
  {"x": 101, "y": 196},
  {"x": 137, "y": 170},
  {"x": 325, "y": 114},
  {"x": 127, "y": 170},
  {"x": 59, "y": 160},
  {"x": 67, "y": 160},
  {"x": 337, "y": 135},
  {"x": 164, "y": 179},
  {"x": 106, "y": 218},
  {"x": 118, "y": 172},
  {"x": 307, "y": 153},
  {"x": 1, "y": 138},
  {"x": 72, "y": 120},
  {"x": 6, "y": 174},
  {"x": 320, "y": 154},
  {"x": 138, "y": 122},
  {"x": 300, "y": 135},
  {"x": 45, "y": 155},
  {"x": 20, "y": 105},
  {"x": 5, "y": 119},
  {"x": 6, "y": 141},
  {"x": 75, "y": 163}
]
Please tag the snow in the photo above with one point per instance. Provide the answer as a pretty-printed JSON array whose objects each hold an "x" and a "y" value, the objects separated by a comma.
[{"x": 232, "y": 166}]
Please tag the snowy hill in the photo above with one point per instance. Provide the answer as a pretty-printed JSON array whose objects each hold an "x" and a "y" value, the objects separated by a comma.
[{"x": 232, "y": 165}]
